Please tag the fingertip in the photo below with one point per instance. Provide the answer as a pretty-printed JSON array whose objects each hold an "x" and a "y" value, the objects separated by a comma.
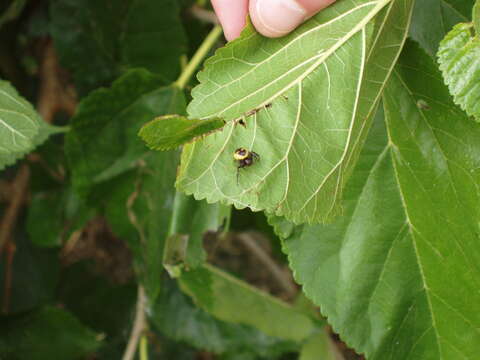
[
  {"x": 276, "y": 18},
  {"x": 232, "y": 16}
]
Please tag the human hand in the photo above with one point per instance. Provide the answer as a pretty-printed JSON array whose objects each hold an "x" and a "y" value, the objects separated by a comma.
[{"x": 272, "y": 18}]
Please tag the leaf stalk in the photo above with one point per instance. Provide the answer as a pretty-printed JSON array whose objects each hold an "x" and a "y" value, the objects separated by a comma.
[{"x": 200, "y": 54}]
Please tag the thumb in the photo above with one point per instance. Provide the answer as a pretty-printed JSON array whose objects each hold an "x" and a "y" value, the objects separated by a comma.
[{"x": 275, "y": 18}]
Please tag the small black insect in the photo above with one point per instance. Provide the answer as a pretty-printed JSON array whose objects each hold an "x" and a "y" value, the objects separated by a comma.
[{"x": 244, "y": 158}]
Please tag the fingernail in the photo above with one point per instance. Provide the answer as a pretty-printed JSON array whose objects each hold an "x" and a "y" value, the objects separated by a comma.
[{"x": 280, "y": 16}]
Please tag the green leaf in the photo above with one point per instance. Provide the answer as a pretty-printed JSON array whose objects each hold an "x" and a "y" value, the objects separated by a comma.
[
  {"x": 170, "y": 131},
  {"x": 397, "y": 276},
  {"x": 320, "y": 346},
  {"x": 459, "y": 59},
  {"x": 21, "y": 127},
  {"x": 34, "y": 276},
  {"x": 19, "y": 122},
  {"x": 176, "y": 316},
  {"x": 232, "y": 300},
  {"x": 44, "y": 132},
  {"x": 307, "y": 99},
  {"x": 122, "y": 36},
  {"x": 54, "y": 215},
  {"x": 110, "y": 162},
  {"x": 13, "y": 11},
  {"x": 139, "y": 209},
  {"x": 191, "y": 220},
  {"x": 433, "y": 19},
  {"x": 32, "y": 338},
  {"x": 105, "y": 307},
  {"x": 103, "y": 142}
]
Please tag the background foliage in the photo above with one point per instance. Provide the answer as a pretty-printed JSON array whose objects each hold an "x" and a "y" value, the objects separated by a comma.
[{"x": 366, "y": 191}]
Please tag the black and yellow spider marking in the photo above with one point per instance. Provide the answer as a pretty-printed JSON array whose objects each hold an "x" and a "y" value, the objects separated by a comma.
[{"x": 244, "y": 158}]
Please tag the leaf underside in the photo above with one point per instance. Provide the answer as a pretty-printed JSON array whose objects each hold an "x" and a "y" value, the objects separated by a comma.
[
  {"x": 459, "y": 59},
  {"x": 399, "y": 274},
  {"x": 312, "y": 94}
]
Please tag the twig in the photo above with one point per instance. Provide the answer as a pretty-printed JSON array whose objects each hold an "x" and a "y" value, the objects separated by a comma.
[
  {"x": 139, "y": 326},
  {"x": 10, "y": 249},
  {"x": 55, "y": 95},
  {"x": 203, "y": 14},
  {"x": 284, "y": 281},
  {"x": 18, "y": 195}
]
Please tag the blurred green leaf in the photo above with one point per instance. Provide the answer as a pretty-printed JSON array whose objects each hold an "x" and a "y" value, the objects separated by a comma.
[
  {"x": 103, "y": 142},
  {"x": 433, "y": 19},
  {"x": 170, "y": 131},
  {"x": 459, "y": 59},
  {"x": 99, "y": 304},
  {"x": 100, "y": 39},
  {"x": 34, "y": 275},
  {"x": 13, "y": 11},
  {"x": 191, "y": 220},
  {"x": 233, "y": 300},
  {"x": 110, "y": 162},
  {"x": 307, "y": 99},
  {"x": 139, "y": 209},
  {"x": 31, "y": 336},
  {"x": 176, "y": 316},
  {"x": 320, "y": 346},
  {"x": 54, "y": 215},
  {"x": 398, "y": 273}
]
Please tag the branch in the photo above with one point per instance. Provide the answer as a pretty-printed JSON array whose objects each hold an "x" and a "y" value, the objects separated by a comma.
[
  {"x": 277, "y": 272},
  {"x": 139, "y": 326}
]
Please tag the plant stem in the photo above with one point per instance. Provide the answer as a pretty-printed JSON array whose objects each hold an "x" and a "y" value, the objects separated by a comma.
[
  {"x": 196, "y": 60},
  {"x": 139, "y": 325},
  {"x": 143, "y": 348}
]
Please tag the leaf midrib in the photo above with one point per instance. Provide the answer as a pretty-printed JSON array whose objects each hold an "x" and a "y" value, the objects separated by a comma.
[{"x": 323, "y": 56}]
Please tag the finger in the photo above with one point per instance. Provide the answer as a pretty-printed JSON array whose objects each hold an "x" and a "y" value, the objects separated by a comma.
[
  {"x": 275, "y": 18},
  {"x": 232, "y": 15}
]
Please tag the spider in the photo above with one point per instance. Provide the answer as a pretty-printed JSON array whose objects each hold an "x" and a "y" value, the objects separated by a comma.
[{"x": 244, "y": 158}]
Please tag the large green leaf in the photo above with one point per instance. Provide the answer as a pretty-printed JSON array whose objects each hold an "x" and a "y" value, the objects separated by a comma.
[
  {"x": 178, "y": 318},
  {"x": 139, "y": 209},
  {"x": 307, "y": 99},
  {"x": 99, "y": 39},
  {"x": 398, "y": 276},
  {"x": 110, "y": 162},
  {"x": 30, "y": 337},
  {"x": 459, "y": 58},
  {"x": 232, "y": 300},
  {"x": 103, "y": 142},
  {"x": 433, "y": 19}
]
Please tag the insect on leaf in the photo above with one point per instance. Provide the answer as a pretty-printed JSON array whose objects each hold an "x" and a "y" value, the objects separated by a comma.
[{"x": 307, "y": 99}]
